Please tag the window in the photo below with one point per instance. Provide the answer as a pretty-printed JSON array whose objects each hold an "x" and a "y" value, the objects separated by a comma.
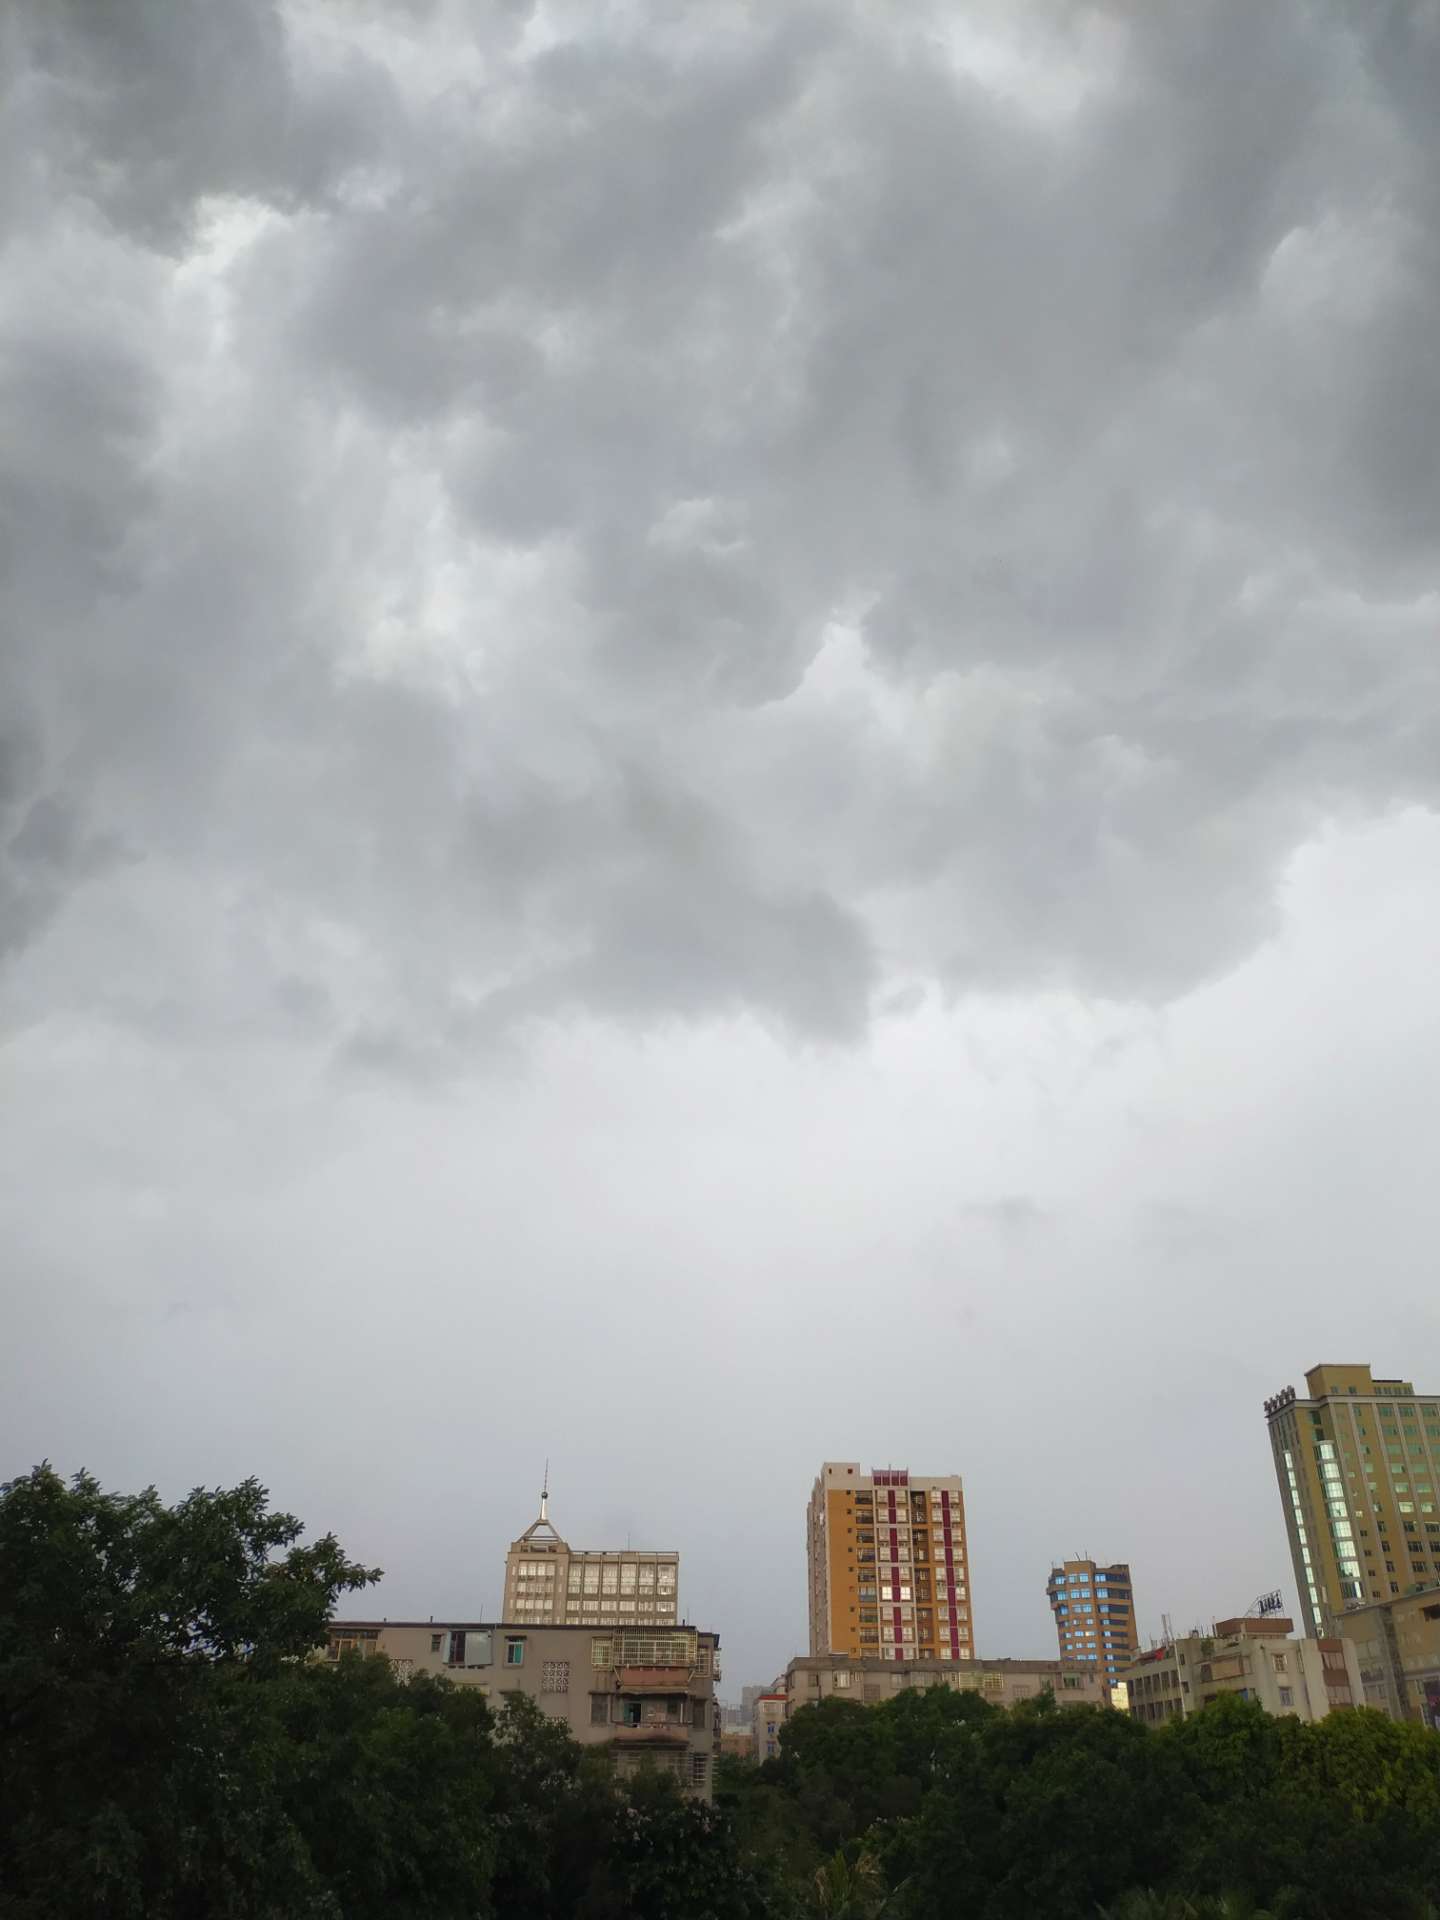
[
  {"x": 555, "y": 1676},
  {"x": 699, "y": 1762},
  {"x": 841, "y": 1678},
  {"x": 435, "y": 1640},
  {"x": 599, "y": 1709},
  {"x": 1287, "y": 1696},
  {"x": 514, "y": 1653}
]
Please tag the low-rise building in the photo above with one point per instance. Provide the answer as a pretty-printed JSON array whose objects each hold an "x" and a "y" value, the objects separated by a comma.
[
  {"x": 646, "y": 1693},
  {"x": 1397, "y": 1644},
  {"x": 1253, "y": 1658},
  {"x": 815, "y": 1677}
]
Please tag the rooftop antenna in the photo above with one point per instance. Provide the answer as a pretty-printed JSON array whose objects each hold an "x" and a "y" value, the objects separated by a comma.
[{"x": 545, "y": 1494}]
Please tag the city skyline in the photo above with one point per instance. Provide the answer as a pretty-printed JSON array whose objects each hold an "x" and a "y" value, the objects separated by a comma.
[{"x": 717, "y": 749}]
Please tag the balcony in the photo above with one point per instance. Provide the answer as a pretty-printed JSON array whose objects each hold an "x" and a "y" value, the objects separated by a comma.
[
  {"x": 663, "y": 1680},
  {"x": 654, "y": 1733}
]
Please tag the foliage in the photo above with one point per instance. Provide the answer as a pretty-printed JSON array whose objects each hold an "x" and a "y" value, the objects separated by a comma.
[{"x": 1226, "y": 1815}]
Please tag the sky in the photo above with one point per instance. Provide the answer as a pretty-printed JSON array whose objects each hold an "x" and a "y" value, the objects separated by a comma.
[{"x": 719, "y": 747}]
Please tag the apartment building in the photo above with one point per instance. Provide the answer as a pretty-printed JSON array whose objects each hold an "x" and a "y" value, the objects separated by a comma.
[
  {"x": 812, "y": 1678},
  {"x": 549, "y": 1583},
  {"x": 1357, "y": 1461},
  {"x": 646, "y": 1693},
  {"x": 1397, "y": 1643},
  {"x": 1094, "y": 1609},
  {"x": 771, "y": 1708},
  {"x": 888, "y": 1565},
  {"x": 1257, "y": 1659}
]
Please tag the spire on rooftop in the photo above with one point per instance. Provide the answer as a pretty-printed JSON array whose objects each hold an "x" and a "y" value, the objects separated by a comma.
[{"x": 540, "y": 1533}]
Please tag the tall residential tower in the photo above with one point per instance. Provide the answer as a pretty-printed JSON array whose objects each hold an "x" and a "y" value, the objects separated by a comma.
[
  {"x": 1094, "y": 1610},
  {"x": 1357, "y": 1462},
  {"x": 888, "y": 1563}
]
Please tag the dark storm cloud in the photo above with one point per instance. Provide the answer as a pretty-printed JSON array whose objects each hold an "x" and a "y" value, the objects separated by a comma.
[{"x": 724, "y": 516}]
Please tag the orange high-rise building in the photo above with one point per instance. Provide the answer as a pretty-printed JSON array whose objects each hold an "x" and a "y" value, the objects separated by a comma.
[{"x": 889, "y": 1565}]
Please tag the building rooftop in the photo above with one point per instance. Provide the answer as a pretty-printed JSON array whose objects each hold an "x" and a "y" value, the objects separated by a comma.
[
  {"x": 870, "y": 1660},
  {"x": 646, "y": 1628}
]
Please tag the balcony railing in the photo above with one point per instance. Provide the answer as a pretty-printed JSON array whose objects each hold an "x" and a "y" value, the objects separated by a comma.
[
  {"x": 664, "y": 1680},
  {"x": 654, "y": 1733}
]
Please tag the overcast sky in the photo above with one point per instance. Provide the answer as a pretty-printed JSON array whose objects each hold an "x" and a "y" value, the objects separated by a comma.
[{"x": 719, "y": 746}]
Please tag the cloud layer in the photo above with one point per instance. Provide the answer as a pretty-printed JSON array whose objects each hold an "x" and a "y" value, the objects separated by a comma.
[{"x": 743, "y": 511}]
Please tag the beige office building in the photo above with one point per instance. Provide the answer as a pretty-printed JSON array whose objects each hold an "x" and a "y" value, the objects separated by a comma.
[
  {"x": 1357, "y": 1461},
  {"x": 647, "y": 1694},
  {"x": 1397, "y": 1643},
  {"x": 1003, "y": 1683},
  {"x": 548, "y": 1583},
  {"x": 1257, "y": 1659},
  {"x": 889, "y": 1571}
]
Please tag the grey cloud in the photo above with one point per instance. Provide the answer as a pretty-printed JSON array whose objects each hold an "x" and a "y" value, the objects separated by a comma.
[
  {"x": 144, "y": 119},
  {"x": 1180, "y": 1230},
  {"x": 449, "y": 573},
  {"x": 1010, "y": 1213}
]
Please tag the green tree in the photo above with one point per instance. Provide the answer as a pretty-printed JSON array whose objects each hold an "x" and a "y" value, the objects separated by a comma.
[
  {"x": 849, "y": 1889},
  {"x": 135, "y": 1640}
]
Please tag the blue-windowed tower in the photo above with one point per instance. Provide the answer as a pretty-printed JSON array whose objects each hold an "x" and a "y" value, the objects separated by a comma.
[{"x": 1094, "y": 1609}]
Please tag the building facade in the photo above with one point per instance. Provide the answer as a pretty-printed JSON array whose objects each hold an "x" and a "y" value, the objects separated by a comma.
[
  {"x": 1094, "y": 1609},
  {"x": 1357, "y": 1461},
  {"x": 1397, "y": 1644},
  {"x": 888, "y": 1564},
  {"x": 812, "y": 1678},
  {"x": 771, "y": 1707},
  {"x": 1256, "y": 1659},
  {"x": 549, "y": 1583},
  {"x": 646, "y": 1693}
]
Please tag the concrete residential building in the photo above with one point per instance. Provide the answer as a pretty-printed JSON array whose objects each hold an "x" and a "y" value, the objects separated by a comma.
[
  {"x": 1397, "y": 1643},
  {"x": 815, "y": 1677},
  {"x": 771, "y": 1709},
  {"x": 1254, "y": 1658},
  {"x": 646, "y": 1693},
  {"x": 1094, "y": 1609},
  {"x": 889, "y": 1572},
  {"x": 1357, "y": 1461},
  {"x": 548, "y": 1583}
]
